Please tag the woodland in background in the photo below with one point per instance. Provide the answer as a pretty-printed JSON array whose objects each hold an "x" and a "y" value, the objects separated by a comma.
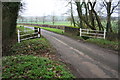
[{"x": 9, "y": 17}]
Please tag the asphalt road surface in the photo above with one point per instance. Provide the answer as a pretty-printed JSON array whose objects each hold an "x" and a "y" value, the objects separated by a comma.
[{"x": 85, "y": 60}]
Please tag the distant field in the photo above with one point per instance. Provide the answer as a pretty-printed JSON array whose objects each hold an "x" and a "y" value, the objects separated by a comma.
[{"x": 65, "y": 23}]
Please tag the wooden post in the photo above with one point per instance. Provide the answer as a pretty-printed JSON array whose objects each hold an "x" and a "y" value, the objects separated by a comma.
[
  {"x": 87, "y": 31},
  {"x": 38, "y": 32},
  {"x": 18, "y": 36},
  {"x": 80, "y": 32},
  {"x": 104, "y": 33}
]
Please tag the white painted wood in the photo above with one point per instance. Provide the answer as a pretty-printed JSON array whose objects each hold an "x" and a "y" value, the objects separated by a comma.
[
  {"x": 95, "y": 34},
  {"x": 38, "y": 33},
  {"x": 21, "y": 39},
  {"x": 18, "y": 36},
  {"x": 80, "y": 32},
  {"x": 28, "y": 34},
  {"x": 29, "y": 38},
  {"x": 104, "y": 33},
  {"x": 87, "y": 31}
]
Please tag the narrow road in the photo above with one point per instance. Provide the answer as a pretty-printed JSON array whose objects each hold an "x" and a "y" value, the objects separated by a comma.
[{"x": 85, "y": 60}]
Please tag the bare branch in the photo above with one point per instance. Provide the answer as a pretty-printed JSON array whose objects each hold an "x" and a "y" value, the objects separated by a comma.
[
  {"x": 114, "y": 7},
  {"x": 105, "y": 4}
]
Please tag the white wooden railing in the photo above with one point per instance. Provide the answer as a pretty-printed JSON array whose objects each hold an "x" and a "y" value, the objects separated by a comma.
[
  {"x": 24, "y": 35},
  {"x": 93, "y": 33}
]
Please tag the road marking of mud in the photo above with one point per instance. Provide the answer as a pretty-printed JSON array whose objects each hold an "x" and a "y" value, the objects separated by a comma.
[
  {"x": 60, "y": 41},
  {"x": 81, "y": 53}
]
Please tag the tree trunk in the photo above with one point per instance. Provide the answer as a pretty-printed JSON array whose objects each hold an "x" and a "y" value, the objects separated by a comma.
[
  {"x": 98, "y": 21},
  {"x": 96, "y": 16},
  {"x": 81, "y": 17},
  {"x": 9, "y": 19},
  {"x": 108, "y": 26},
  {"x": 73, "y": 20},
  {"x": 92, "y": 18},
  {"x": 79, "y": 10}
]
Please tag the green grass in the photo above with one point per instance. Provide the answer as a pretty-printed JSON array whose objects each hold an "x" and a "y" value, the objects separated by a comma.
[
  {"x": 65, "y": 23},
  {"x": 23, "y": 29},
  {"x": 54, "y": 30},
  {"x": 28, "y": 66},
  {"x": 25, "y": 61},
  {"x": 33, "y": 46},
  {"x": 105, "y": 43}
]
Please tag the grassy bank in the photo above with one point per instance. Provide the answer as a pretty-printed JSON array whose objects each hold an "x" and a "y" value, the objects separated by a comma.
[
  {"x": 59, "y": 31},
  {"x": 28, "y": 66},
  {"x": 105, "y": 43},
  {"x": 100, "y": 42},
  {"x": 65, "y": 23},
  {"x": 34, "y": 58}
]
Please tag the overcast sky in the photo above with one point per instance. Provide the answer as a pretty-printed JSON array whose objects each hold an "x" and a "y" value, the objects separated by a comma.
[
  {"x": 44, "y": 7},
  {"x": 47, "y": 7}
]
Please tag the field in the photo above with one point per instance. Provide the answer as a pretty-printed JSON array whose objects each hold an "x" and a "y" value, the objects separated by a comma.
[{"x": 67, "y": 23}]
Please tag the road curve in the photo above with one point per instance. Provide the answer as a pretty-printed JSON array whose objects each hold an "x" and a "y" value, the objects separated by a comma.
[{"x": 86, "y": 60}]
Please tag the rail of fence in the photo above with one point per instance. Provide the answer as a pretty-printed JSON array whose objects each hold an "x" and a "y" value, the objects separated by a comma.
[
  {"x": 28, "y": 34},
  {"x": 93, "y": 33}
]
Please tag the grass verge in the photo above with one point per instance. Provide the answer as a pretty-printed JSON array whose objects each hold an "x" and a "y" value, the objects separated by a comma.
[
  {"x": 105, "y": 43},
  {"x": 26, "y": 61},
  {"x": 59, "y": 31},
  {"x": 32, "y": 47},
  {"x": 100, "y": 42},
  {"x": 28, "y": 66}
]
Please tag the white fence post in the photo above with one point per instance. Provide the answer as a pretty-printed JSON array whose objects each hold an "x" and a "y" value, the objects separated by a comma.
[
  {"x": 80, "y": 32},
  {"x": 104, "y": 33},
  {"x": 87, "y": 31},
  {"x": 38, "y": 32},
  {"x": 18, "y": 36}
]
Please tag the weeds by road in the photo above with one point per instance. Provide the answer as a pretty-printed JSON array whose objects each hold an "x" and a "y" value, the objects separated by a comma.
[{"x": 28, "y": 66}]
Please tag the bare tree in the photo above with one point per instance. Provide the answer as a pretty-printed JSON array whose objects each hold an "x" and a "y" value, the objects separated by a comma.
[
  {"x": 81, "y": 16},
  {"x": 92, "y": 11},
  {"x": 53, "y": 18},
  {"x": 110, "y": 9},
  {"x": 73, "y": 20},
  {"x": 71, "y": 12}
]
